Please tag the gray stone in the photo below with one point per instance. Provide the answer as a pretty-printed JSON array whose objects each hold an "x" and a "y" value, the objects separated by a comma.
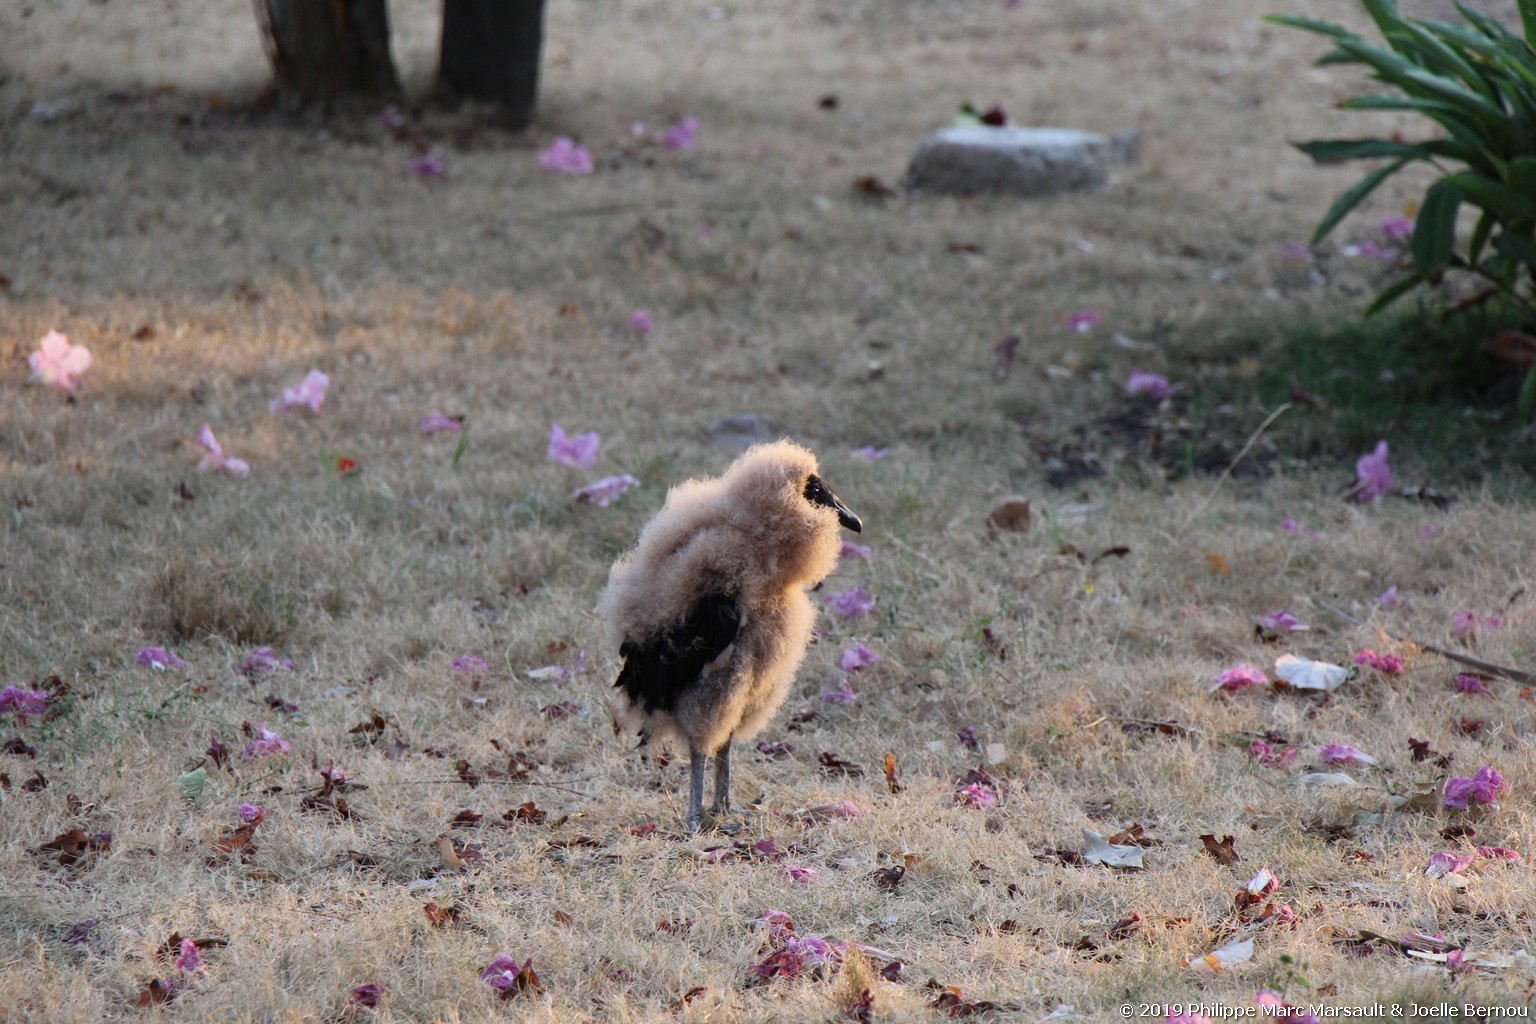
[{"x": 1017, "y": 161}]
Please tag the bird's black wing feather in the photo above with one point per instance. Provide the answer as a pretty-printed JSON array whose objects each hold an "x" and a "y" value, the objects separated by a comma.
[{"x": 659, "y": 668}]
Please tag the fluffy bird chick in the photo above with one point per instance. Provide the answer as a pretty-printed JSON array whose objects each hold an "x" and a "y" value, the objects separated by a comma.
[{"x": 709, "y": 609}]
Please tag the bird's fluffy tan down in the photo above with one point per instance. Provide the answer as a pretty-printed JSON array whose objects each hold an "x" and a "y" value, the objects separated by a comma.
[{"x": 751, "y": 533}]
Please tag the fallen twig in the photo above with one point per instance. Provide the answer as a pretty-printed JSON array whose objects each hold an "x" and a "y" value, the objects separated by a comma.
[{"x": 1466, "y": 659}]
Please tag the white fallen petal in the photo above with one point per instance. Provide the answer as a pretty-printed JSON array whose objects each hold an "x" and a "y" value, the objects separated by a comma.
[
  {"x": 1238, "y": 951},
  {"x": 1099, "y": 850},
  {"x": 996, "y": 753},
  {"x": 1306, "y": 674},
  {"x": 547, "y": 673},
  {"x": 1327, "y": 779}
]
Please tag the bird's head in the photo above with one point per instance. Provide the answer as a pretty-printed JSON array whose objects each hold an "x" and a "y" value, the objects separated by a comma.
[{"x": 778, "y": 496}]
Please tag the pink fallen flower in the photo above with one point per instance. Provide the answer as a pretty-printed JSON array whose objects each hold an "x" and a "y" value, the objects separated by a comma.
[
  {"x": 1447, "y": 862},
  {"x": 549, "y": 673},
  {"x": 1388, "y": 599},
  {"x": 777, "y": 923},
  {"x": 1268, "y": 756},
  {"x": 1483, "y": 787},
  {"x": 470, "y": 664},
  {"x": 1396, "y": 228},
  {"x": 577, "y": 452},
  {"x": 565, "y": 157},
  {"x": 1389, "y": 664},
  {"x": 261, "y": 661},
  {"x": 1279, "y": 621},
  {"x": 308, "y": 393},
  {"x": 1081, "y": 321},
  {"x": 802, "y": 875},
  {"x": 57, "y": 363},
  {"x": 156, "y": 658},
  {"x": 1375, "y": 477},
  {"x": 1469, "y": 684},
  {"x": 430, "y": 166},
  {"x": 251, "y": 812},
  {"x": 215, "y": 458},
  {"x": 1499, "y": 853},
  {"x": 367, "y": 994},
  {"x": 507, "y": 977},
  {"x": 1368, "y": 247},
  {"x": 848, "y": 549},
  {"x": 1153, "y": 385},
  {"x": 842, "y": 695},
  {"x": 1263, "y": 883},
  {"x": 435, "y": 422},
  {"x": 189, "y": 961},
  {"x": 857, "y": 658},
  {"x": 851, "y": 604},
  {"x": 24, "y": 702},
  {"x": 1239, "y": 676},
  {"x": 266, "y": 743},
  {"x": 681, "y": 135},
  {"x": 976, "y": 795},
  {"x": 795, "y": 954},
  {"x": 870, "y": 454},
  {"x": 1343, "y": 753},
  {"x": 604, "y": 492},
  {"x": 640, "y": 323},
  {"x": 1466, "y": 623},
  {"x": 1275, "y": 1008}
]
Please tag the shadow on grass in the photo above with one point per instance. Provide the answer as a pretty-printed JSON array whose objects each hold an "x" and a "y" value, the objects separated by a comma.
[{"x": 1445, "y": 406}]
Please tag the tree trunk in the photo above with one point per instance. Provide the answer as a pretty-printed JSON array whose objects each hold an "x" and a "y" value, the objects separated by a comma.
[
  {"x": 323, "y": 50},
  {"x": 490, "y": 51}
]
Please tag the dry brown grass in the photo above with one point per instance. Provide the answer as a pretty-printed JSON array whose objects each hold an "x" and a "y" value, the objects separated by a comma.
[{"x": 254, "y": 250}]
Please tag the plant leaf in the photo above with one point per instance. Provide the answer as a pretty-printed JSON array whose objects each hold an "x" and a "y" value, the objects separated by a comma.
[
  {"x": 1434, "y": 233},
  {"x": 1322, "y": 28},
  {"x": 1527, "y": 402},
  {"x": 1504, "y": 202},
  {"x": 1517, "y": 247},
  {"x": 1352, "y": 198},
  {"x": 1332, "y": 150}
]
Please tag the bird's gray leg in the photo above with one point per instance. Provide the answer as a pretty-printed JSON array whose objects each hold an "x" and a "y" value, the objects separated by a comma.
[
  {"x": 696, "y": 758},
  {"x": 722, "y": 780}
]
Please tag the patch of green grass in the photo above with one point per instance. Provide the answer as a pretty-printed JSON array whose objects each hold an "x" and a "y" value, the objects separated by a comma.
[{"x": 1421, "y": 383}]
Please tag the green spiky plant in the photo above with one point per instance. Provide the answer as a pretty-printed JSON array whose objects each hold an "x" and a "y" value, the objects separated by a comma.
[{"x": 1477, "y": 81}]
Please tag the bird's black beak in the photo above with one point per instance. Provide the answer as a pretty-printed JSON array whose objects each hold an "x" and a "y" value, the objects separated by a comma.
[{"x": 817, "y": 493}]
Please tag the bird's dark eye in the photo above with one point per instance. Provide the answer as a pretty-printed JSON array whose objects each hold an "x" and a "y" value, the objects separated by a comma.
[{"x": 813, "y": 487}]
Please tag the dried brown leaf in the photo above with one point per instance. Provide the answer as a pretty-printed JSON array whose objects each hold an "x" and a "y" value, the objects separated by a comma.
[
  {"x": 1221, "y": 849},
  {"x": 1012, "y": 515}
]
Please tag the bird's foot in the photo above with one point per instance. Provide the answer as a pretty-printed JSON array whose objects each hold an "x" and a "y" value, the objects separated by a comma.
[{"x": 731, "y": 820}]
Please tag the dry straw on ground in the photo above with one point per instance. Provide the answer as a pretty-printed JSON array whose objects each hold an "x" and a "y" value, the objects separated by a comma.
[{"x": 210, "y": 259}]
